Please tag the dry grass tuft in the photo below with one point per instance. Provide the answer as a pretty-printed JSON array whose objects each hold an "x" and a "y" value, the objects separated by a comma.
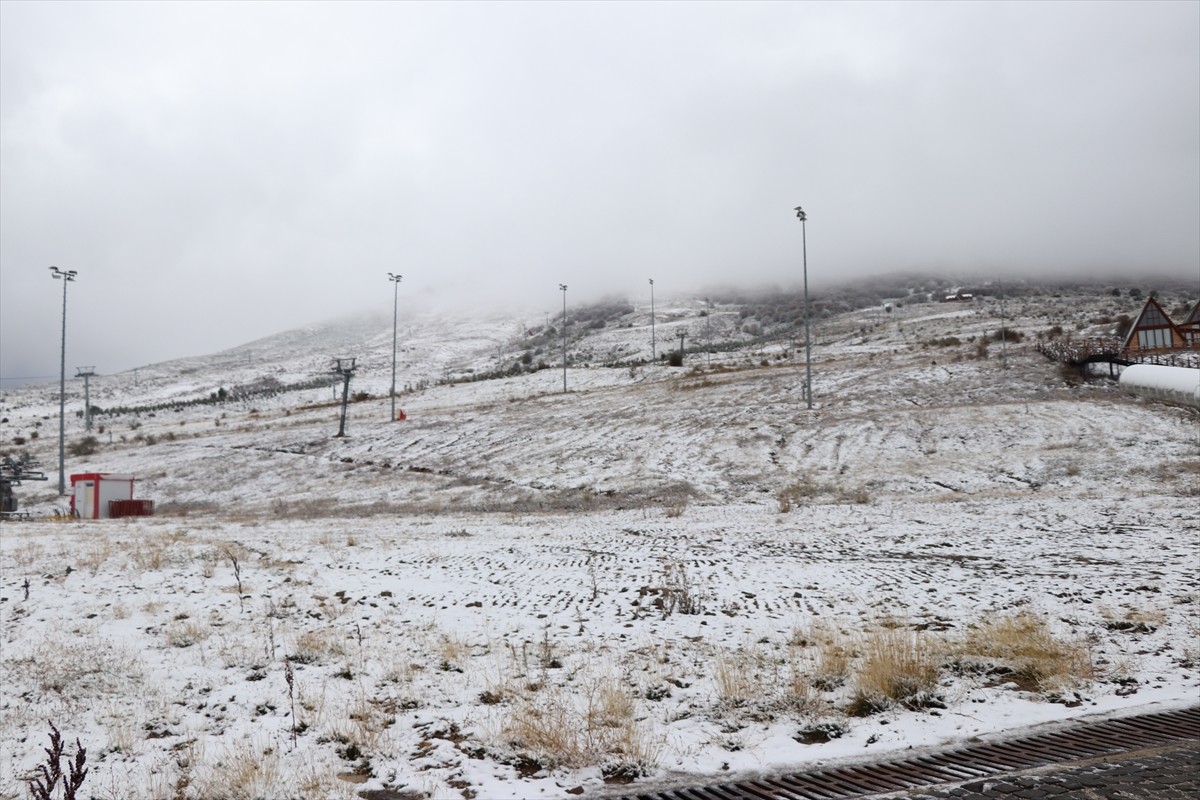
[
  {"x": 800, "y": 492},
  {"x": 80, "y": 666},
  {"x": 1134, "y": 620},
  {"x": 93, "y": 556},
  {"x": 452, "y": 653},
  {"x": 899, "y": 667},
  {"x": 313, "y": 647},
  {"x": 244, "y": 771},
  {"x": 800, "y": 695},
  {"x": 832, "y": 657},
  {"x": 594, "y": 726},
  {"x": 157, "y": 552},
  {"x": 738, "y": 680},
  {"x": 186, "y": 633},
  {"x": 1022, "y": 649}
]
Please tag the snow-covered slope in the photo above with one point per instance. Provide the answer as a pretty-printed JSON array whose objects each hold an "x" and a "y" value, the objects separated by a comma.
[{"x": 519, "y": 591}]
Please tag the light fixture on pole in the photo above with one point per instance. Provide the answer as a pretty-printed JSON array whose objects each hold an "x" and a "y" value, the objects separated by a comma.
[
  {"x": 563, "y": 286},
  {"x": 66, "y": 276},
  {"x": 395, "y": 279},
  {"x": 807, "y": 337},
  {"x": 652, "y": 339}
]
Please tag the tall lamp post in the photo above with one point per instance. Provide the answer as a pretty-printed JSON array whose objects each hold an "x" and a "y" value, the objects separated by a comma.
[
  {"x": 66, "y": 276},
  {"x": 563, "y": 286},
  {"x": 652, "y": 339},
  {"x": 807, "y": 337},
  {"x": 395, "y": 279}
]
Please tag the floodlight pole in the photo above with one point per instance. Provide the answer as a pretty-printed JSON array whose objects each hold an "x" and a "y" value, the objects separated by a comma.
[
  {"x": 563, "y": 286},
  {"x": 807, "y": 336},
  {"x": 653, "y": 341},
  {"x": 395, "y": 279},
  {"x": 86, "y": 373},
  {"x": 66, "y": 276}
]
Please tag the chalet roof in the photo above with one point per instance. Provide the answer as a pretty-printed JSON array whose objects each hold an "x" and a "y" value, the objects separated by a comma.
[
  {"x": 1152, "y": 316},
  {"x": 1192, "y": 318}
]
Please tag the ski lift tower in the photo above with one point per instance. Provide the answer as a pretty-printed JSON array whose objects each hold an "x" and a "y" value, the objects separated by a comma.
[
  {"x": 86, "y": 373},
  {"x": 344, "y": 367}
]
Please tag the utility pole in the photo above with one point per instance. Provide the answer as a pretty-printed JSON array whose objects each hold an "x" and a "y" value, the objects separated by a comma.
[
  {"x": 85, "y": 373},
  {"x": 653, "y": 341},
  {"x": 66, "y": 276},
  {"x": 807, "y": 336},
  {"x": 563, "y": 286},
  {"x": 708, "y": 332},
  {"x": 395, "y": 279},
  {"x": 345, "y": 368},
  {"x": 1003, "y": 335}
]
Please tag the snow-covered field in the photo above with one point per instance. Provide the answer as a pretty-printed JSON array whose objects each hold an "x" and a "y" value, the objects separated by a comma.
[{"x": 662, "y": 576}]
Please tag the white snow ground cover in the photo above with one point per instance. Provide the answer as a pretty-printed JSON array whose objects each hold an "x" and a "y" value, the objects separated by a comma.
[{"x": 662, "y": 576}]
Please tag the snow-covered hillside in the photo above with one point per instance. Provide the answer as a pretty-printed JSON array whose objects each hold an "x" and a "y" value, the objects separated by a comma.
[{"x": 661, "y": 575}]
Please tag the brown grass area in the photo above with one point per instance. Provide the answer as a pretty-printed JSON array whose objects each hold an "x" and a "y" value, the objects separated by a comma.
[{"x": 1022, "y": 649}]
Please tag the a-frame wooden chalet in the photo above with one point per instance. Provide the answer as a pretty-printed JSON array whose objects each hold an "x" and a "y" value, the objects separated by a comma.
[
  {"x": 1154, "y": 332},
  {"x": 1191, "y": 327}
]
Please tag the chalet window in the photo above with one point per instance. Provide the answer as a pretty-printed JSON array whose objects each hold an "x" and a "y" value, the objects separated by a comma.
[{"x": 1154, "y": 338}]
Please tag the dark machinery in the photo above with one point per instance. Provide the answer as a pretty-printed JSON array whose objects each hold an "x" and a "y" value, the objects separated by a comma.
[{"x": 14, "y": 471}]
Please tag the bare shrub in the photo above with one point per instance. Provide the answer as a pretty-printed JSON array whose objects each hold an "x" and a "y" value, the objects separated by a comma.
[
  {"x": 304, "y": 508},
  {"x": 46, "y": 781},
  {"x": 86, "y": 446},
  {"x": 800, "y": 492},
  {"x": 857, "y": 496},
  {"x": 678, "y": 595}
]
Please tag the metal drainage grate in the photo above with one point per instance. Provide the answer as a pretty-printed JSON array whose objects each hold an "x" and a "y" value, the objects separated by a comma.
[{"x": 1089, "y": 740}]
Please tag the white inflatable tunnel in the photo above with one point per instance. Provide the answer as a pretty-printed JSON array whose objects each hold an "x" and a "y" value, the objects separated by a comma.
[{"x": 1177, "y": 384}]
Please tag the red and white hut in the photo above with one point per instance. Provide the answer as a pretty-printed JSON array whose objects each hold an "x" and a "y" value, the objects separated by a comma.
[{"x": 92, "y": 493}]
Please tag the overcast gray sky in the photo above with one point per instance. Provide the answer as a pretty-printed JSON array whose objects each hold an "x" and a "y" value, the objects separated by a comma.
[{"x": 218, "y": 172}]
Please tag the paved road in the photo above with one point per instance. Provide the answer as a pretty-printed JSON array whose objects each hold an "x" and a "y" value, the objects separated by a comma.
[{"x": 1164, "y": 773}]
